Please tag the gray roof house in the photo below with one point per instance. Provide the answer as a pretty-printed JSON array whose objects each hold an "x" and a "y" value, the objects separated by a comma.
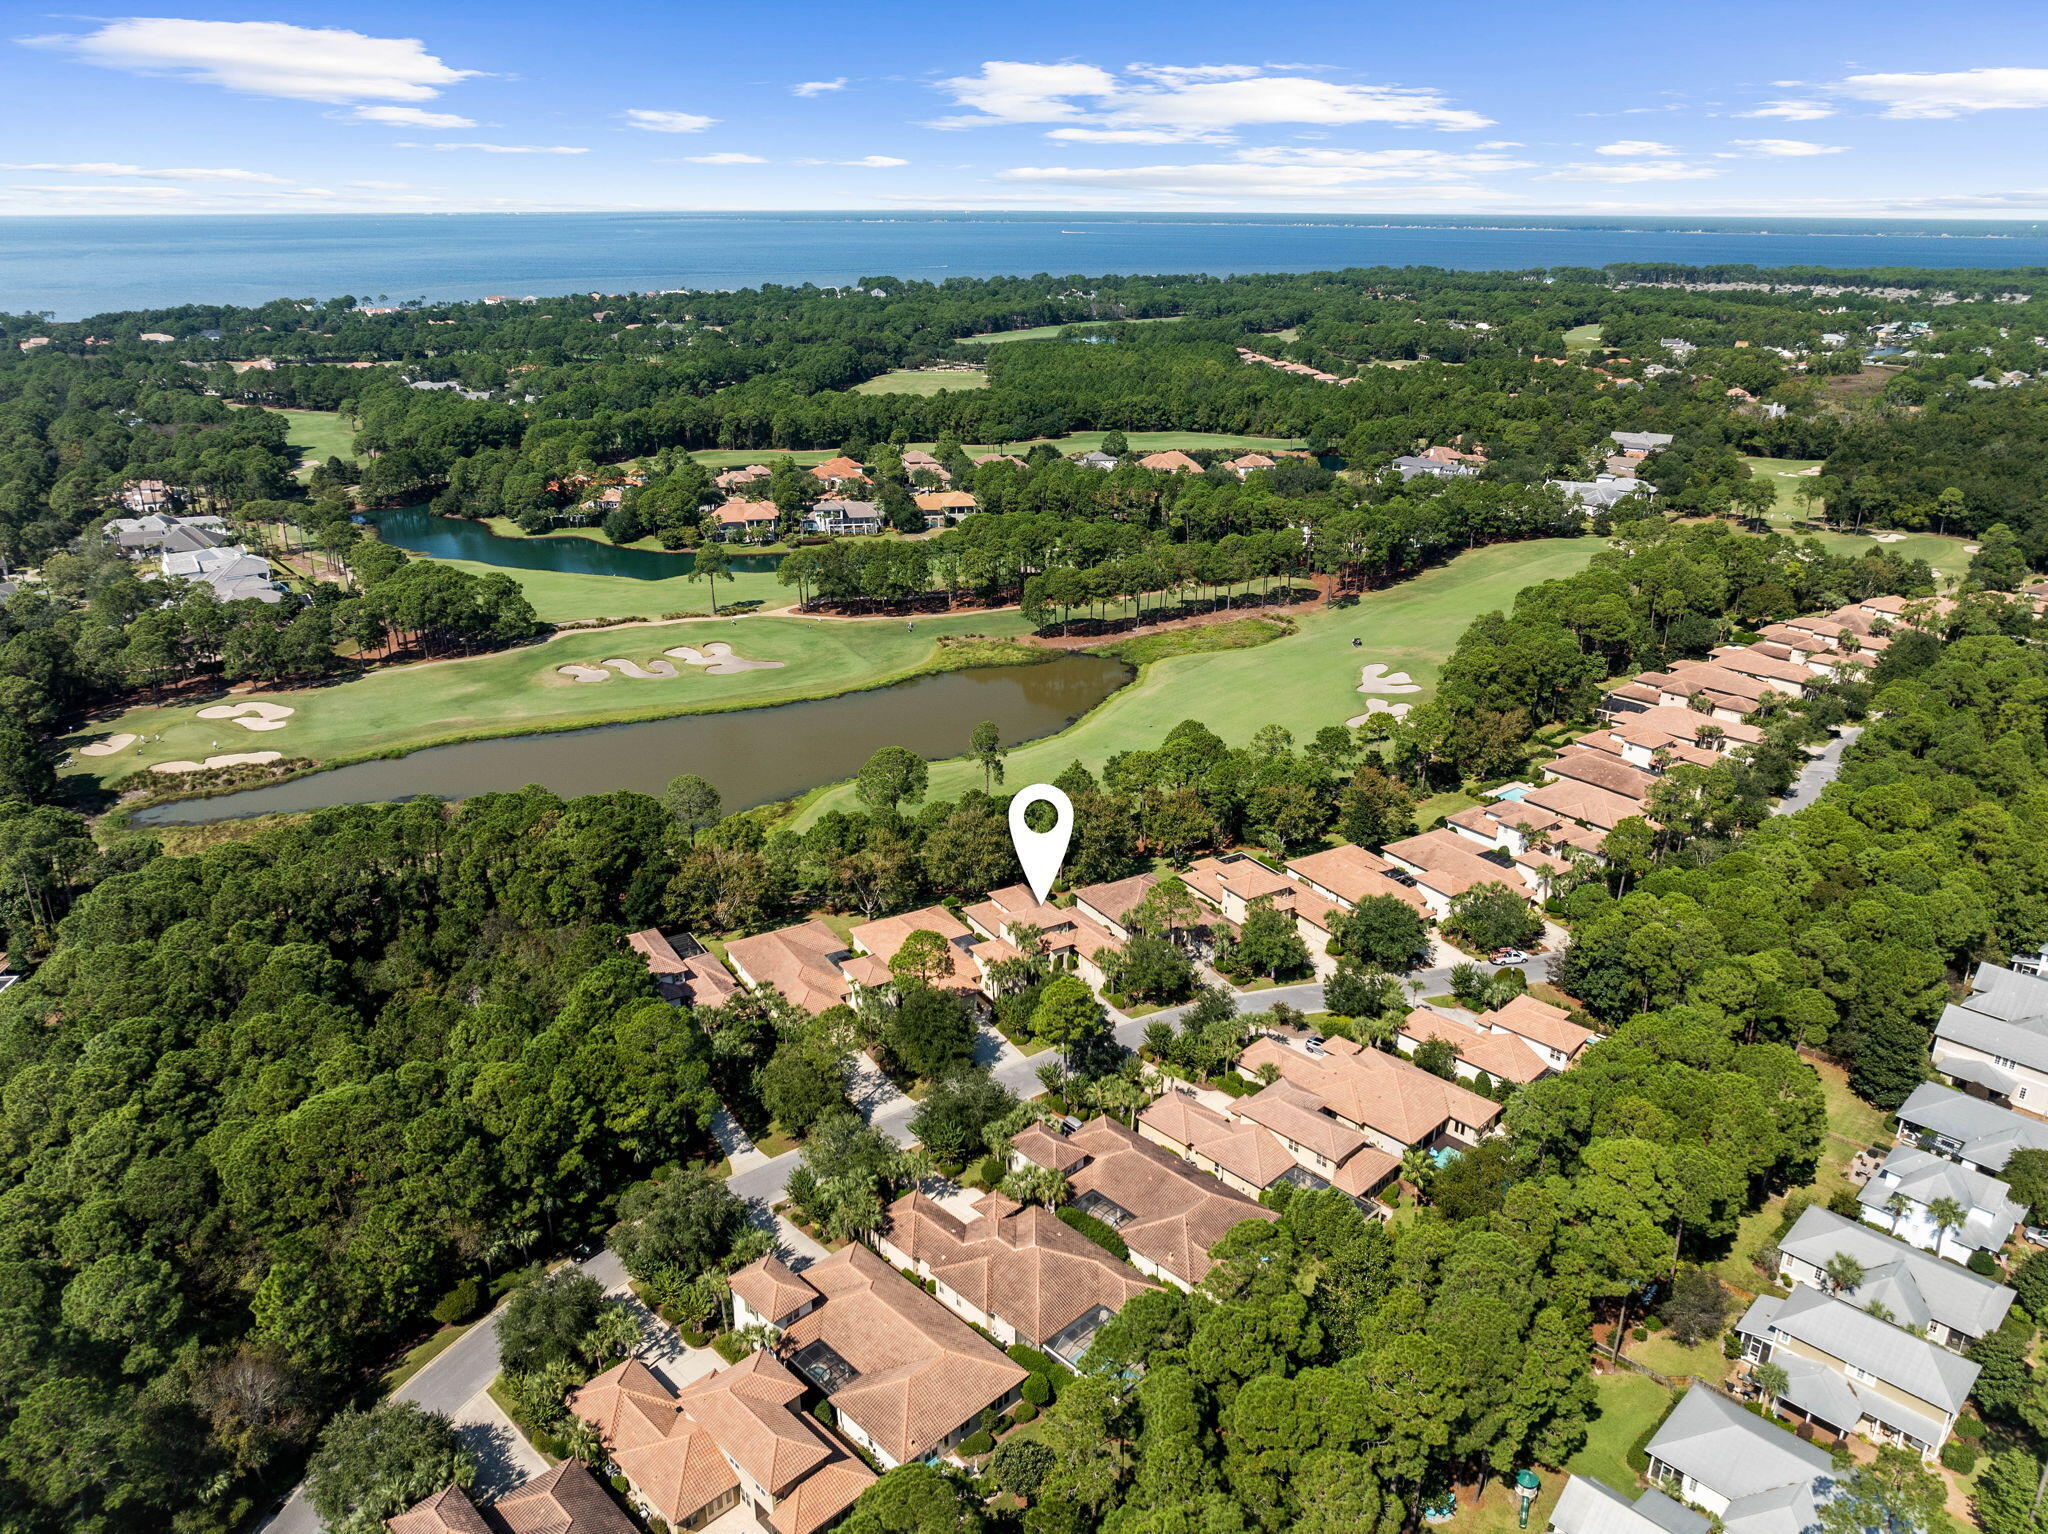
[
  {"x": 1587, "y": 1506},
  {"x": 1095, "y": 458},
  {"x": 1641, "y": 441},
  {"x": 1751, "y": 1474},
  {"x": 1968, "y": 1129},
  {"x": 1848, "y": 1372},
  {"x": 843, "y": 517},
  {"x": 1602, "y": 490},
  {"x": 1920, "y": 1178},
  {"x": 1994, "y": 1043},
  {"x": 1411, "y": 467},
  {"x": 1952, "y": 1304}
]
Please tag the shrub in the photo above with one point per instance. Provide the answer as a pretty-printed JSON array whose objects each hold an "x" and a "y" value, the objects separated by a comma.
[
  {"x": 1022, "y": 1412},
  {"x": 1037, "y": 1391},
  {"x": 1969, "y": 1427},
  {"x": 460, "y": 1303},
  {"x": 1653, "y": 1323},
  {"x": 990, "y": 1170},
  {"x": 824, "y": 1413},
  {"x": 731, "y": 1346},
  {"x": 1846, "y": 1204},
  {"x": 1640, "y": 1334},
  {"x": 622, "y": 1486},
  {"x": 1096, "y": 1231},
  {"x": 1983, "y": 1264},
  {"x": 1959, "y": 1456},
  {"x": 1731, "y": 1346},
  {"x": 976, "y": 1444}
]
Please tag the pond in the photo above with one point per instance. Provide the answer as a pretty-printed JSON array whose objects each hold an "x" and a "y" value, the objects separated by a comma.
[
  {"x": 417, "y": 529},
  {"x": 754, "y": 756}
]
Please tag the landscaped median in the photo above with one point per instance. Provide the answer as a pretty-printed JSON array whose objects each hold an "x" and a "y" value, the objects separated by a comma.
[{"x": 524, "y": 690}]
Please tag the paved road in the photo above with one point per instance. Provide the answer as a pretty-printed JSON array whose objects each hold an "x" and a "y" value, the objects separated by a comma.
[
  {"x": 457, "y": 1376},
  {"x": 1820, "y": 770}
]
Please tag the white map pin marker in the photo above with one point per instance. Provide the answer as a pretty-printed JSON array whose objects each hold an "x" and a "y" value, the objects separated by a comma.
[{"x": 1041, "y": 852}]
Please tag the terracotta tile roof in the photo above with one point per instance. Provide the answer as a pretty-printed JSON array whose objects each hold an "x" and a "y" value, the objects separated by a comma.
[
  {"x": 1247, "y": 462},
  {"x": 1708, "y": 676},
  {"x": 1174, "y": 460},
  {"x": 1448, "y": 863},
  {"x": 751, "y": 1412},
  {"x": 1375, "y": 1089},
  {"x": 918, "y": 458},
  {"x": 1118, "y": 899},
  {"x": 1350, "y": 873},
  {"x": 821, "y": 1496},
  {"x": 1649, "y": 738},
  {"x": 447, "y": 1511},
  {"x": 1684, "y": 724},
  {"x": 981, "y": 458},
  {"x": 1061, "y": 929},
  {"x": 1038, "y": 1144},
  {"x": 1024, "y": 1265},
  {"x": 1295, "y": 1114},
  {"x": 1585, "y": 803},
  {"x": 1176, "y": 1213},
  {"x": 1236, "y": 873},
  {"x": 673, "y": 1462},
  {"x": 1500, "y": 1055},
  {"x": 771, "y": 1290},
  {"x": 922, "y": 1371},
  {"x": 565, "y": 1500},
  {"x": 881, "y": 939},
  {"x": 1792, "y": 638},
  {"x": 1585, "y": 765},
  {"x": 700, "y": 980},
  {"x": 1539, "y": 1020},
  {"x": 841, "y": 467},
  {"x": 1636, "y": 692},
  {"x": 798, "y": 961},
  {"x": 944, "y": 500},
  {"x": 732, "y": 477},
  {"x": 1241, "y": 1148},
  {"x": 660, "y": 954},
  {"x": 1753, "y": 662},
  {"x": 737, "y": 513}
]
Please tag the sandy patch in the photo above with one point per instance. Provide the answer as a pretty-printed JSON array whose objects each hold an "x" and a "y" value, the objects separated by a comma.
[
  {"x": 1969, "y": 548},
  {"x": 585, "y": 673},
  {"x": 649, "y": 672},
  {"x": 108, "y": 746},
  {"x": 1379, "y": 706},
  {"x": 1376, "y": 678},
  {"x": 232, "y": 759},
  {"x": 251, "y": 716},
  {"x": 1889, "y": 537},
  {"x": 718, "y": 660}
]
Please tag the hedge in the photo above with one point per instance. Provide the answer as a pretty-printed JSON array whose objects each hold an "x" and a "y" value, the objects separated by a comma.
[
  {"x": 1023, "y": 1412},
  {"x": 1096, "y": 1231},
  {"x": 1959, "y": 1456},
  {"x": 1037, "y": 1390},
  {"x": 460, "y": 1303},
  {"x": 977, "y": 1444}
]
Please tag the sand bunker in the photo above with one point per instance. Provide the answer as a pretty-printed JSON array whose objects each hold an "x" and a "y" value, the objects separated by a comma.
[
  {"x": 108, "y": 746},
  {"x": 1889, "y": 537},
  {"x": 716, "y": 658},
  {"x": 233, "y": 759},
  {"x": 1376, "y": 678},
  {"x": 251, "y": 716},
  {"x": 1379, "y": 706}
]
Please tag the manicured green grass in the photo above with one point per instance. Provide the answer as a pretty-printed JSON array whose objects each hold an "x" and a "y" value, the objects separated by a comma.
[
  {"x": 1702, "y": 1360},
  {"x": 1302, "y": 682},
  {"x": 561, "y": 597},
  {"x": 921, "y": 381},
  {"x": 1629, "y": 1402},
  {"x": 321, "y": 434},
  {"x": 1581, "y": 338},
  {"x": 1945, "y": 554},
  {"x": 1049, "y": 332},
  {"x": 521, "y": 690},
  {"x": 1441, "y": 806},
  {"x": 1238, "y": 634}
]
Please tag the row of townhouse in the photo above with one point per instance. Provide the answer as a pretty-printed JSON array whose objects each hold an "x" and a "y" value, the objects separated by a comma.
[{"x": 564, "y": 1500}]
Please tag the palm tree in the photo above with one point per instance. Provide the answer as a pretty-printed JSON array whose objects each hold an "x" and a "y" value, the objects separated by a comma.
[
  {"x": 1896, "y": 1206},
  {"x": 1771, "y": 1380},
  {"x": 1844, "y": 1272},
  {"x": 1948, "y": 1214}
]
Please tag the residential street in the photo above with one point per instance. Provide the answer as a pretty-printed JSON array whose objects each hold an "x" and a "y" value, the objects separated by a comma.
[{"x": 1818, "y": 773}]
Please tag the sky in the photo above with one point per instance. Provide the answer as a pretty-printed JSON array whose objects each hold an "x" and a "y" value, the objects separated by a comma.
[{"x": 1834, "y": 107}]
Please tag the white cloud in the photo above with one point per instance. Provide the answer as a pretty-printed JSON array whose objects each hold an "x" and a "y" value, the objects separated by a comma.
[
  {"x": 502, "y": 148},
  {"x": 1786, "y": 148},
  {"x": 1137, "y": 136},
  {"x": 404, "y": 117},
  {"x": 194, "y": 173},
  {"x": 667, "y": 122},
  {"x": 1500, "y": 143},
  {"x": 1637, "y": 147},
  {"x": 1951, "y": 94},
  {"x": 876, "y": 160},
  {"x": 1792, "y": 111},
  {"x": 1285, "y": 173},
  {"x": 730, "y": 157},
  {"x": 266, "y": 58},
  {"x": 1202, "y": 98},
  {"x": 817, "y": 87},
  {"x": 383, "y": 186},
  {"x": 1640, "y": 170}
]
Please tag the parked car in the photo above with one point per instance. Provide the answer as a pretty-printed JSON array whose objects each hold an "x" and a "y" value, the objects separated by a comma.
[
  {"x": 1510, "y": 956},
  {"x": 1314, "y": 1044}
]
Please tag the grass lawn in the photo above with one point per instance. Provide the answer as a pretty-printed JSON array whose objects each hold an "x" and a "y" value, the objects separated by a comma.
[
  {"x": 559, "y": 596},
  {"x": 1581, "y": 338},
  {"x": 1237, "y": 634},
  {"x": 1439, "y": 807},
  {"x": 775, "y": 1143},
  {"x": 1944, "y": 553},
  {"x": 1629, "y": 1402},
  {"x": 1303, "y": 682},
  {"x": 318, "y": 434},
  {"x": 1049, "y": 332},
  {"x": 520, "y": 690},
  {"x": 921, "y": 381},
  {"x": 423, "y": 1355},
  {"x": 716, "y": 458},
  {"x": 1664, "y": 1353}
]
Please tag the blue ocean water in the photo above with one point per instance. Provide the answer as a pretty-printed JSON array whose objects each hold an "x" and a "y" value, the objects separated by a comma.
[{"x": 79, "y": 267}]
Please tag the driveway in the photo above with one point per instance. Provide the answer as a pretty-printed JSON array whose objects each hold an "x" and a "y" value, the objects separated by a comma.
[{"x": 1820, "y": 770}]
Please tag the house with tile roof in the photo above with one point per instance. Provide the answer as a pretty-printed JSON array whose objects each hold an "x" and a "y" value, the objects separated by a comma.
[
  {"x": 1168, "y": 1214},
  {"x": 802, "y": 962},
  {"x": 683, "y": 971},
  {"x": 564, "y": 1500},
  {"x": 1948, "y": 1302},
  {"x": 1110, "y": 905},
  {"x": 1394, "y": 1103},
  {"x": 1496, "y": 1056},
  {"x": 876, "y": 943},
  {"x": 839, "y": 471},
  {"x": 767, "y": 1293},
  {"x": 1173, "y": 461},
  {"x": 1018, "y": 1272},
  {"x": 1548, "y": 1030},
  {"x": 1752, "y": 1477},
  {"x": 1066, "y": 935},
  {"x": 1851, "y": 1373},
  {"x": 733, "y": 479},
  {"x": 1244, "y": 465},
  {"x": 944, "y": 508},
  {"x": 1346, "y": 874},
  {"x": 1274, "y": 1136},
  {"x": 1994, "y": 1042},
  {"x": 1445, "y": 865},
  {"x": 750, "y": 520},
  {"x": 906, "y": 1377},
  {"x": 1908, "y": 1183}
]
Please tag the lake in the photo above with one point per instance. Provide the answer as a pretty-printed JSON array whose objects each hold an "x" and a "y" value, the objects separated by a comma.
[
  {"x": 754, "y": 756},
  {"x": 422, "y": 532}
]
